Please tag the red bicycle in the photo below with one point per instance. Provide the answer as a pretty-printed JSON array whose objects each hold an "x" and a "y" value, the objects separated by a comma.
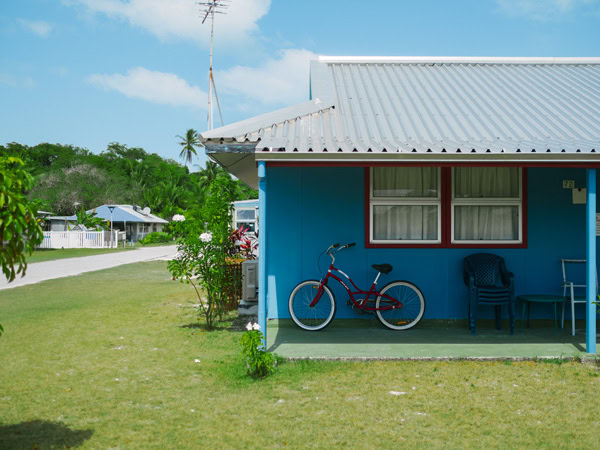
[{"x": 399, "y": 305}]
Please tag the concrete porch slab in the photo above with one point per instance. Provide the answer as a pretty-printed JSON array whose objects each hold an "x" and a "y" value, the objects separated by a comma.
[{"x": 376, "y": 342}]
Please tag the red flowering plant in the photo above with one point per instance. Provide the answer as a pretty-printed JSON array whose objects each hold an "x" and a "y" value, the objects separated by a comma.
[{"x": 243, "y": 246}]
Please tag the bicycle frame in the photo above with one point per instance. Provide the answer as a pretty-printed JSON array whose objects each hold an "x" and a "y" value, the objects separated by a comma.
[{"x": 359, "y": 304}]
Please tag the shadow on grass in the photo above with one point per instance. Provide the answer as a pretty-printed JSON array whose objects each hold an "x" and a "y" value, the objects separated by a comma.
[
  {"x": 41, "y": 434},
  {"x": 203, "y": 327}
]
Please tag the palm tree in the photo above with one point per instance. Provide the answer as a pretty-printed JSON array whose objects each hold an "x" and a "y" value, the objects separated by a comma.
[
  {"x": 188, "y": 144},
  {"x": 208, "y": 174}
]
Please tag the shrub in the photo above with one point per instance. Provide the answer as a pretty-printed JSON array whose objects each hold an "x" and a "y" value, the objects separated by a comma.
[
  {"x": 203, "y": 248},
  {"x": 156, "y": 237},
  {"x": 259, "y": 362}
]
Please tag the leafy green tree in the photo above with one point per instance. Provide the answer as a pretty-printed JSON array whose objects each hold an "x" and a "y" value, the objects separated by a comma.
[
  {"x": 90, "y": 220},
  {"x": 188, "y": 145},
  {"x": 20, "y": 232},
  {"x": 66, "y": 175},
  {"x": 203, "y": 247},
  {"x": 207, "y": 175},
  {"x": 84, "y": 185}
]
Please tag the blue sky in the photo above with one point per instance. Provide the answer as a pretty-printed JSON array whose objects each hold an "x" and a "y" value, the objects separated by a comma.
[{"x": 91, "y": 72}]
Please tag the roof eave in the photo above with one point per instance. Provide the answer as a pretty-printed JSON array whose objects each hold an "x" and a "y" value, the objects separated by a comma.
[{"x": 430, "y": 157}]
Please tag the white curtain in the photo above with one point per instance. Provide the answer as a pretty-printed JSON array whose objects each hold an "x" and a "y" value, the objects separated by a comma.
[
  {"x": 497, "y": 223},
  {"x": 486, "y": 182},
  {"x": 405, "y": 222},
  {"x": 405, "y": 182}
]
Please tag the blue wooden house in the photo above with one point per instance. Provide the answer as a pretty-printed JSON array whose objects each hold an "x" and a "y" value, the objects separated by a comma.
[{"x": 422, "y": 161}]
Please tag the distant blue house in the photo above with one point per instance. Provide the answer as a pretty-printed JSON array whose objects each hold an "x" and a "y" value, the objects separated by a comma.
[
  {"x": 135, "y": 221},
  {"x": 422, "y": 161}
]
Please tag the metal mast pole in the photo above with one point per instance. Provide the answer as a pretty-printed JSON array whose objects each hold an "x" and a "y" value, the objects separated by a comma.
[
  {"x": 210, "y": 76},
  {"x": 210, "y": 7}
]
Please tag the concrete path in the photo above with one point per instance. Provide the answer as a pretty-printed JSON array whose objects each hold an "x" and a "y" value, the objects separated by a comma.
[
  {"x": 422, "y": 342},
  {"x": 67, "y": 267}
]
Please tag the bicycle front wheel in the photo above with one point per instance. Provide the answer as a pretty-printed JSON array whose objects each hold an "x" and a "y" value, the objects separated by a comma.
[
  {"x": 408, "y": 313},
  {"x": 307, "y": 317}
]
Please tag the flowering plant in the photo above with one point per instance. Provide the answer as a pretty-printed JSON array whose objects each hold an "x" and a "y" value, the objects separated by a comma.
[
  {"x": 178, "y": 218},
  {"x": 200, "y": 261},
  {"x": 259, "y": 362},
  {"x": 242, "y": 245},
  {"x": 203, "y": 247}
]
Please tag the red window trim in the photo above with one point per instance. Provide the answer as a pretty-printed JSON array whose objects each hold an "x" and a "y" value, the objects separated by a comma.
[{"x": 446, "y": 216}]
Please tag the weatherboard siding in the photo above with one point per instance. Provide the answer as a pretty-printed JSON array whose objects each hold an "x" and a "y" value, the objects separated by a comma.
[{"x": 310, "y": 208}]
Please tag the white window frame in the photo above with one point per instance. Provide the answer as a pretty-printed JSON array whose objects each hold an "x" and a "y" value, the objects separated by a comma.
[
  {"x": 236, "y": 222},
  {"x": 487, "y": 202},
  {"x": 415, "y": 201}
]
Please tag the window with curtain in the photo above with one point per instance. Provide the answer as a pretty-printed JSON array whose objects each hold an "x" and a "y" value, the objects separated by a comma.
[
  {"x": 486, "y": 204},
  {"x": 405, "y": 205},
  {"x": 246, "y": 218}
]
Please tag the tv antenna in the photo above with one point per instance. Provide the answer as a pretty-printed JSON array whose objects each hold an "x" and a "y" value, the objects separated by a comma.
[{"x": 210, "y": 8}]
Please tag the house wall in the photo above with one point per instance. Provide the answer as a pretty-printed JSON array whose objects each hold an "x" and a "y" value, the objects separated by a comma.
[
  {"x": 58, "y": 225},
  {"x": 310, "y": 208}
]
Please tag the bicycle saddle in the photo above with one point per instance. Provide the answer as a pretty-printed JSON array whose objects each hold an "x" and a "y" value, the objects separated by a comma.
[{"x": 383, "y": 268}]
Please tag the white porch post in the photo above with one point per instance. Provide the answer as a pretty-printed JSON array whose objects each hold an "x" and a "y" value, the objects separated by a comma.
[
  {"x": 262, "y": 248},
  {"x": 591, "y": 294}
]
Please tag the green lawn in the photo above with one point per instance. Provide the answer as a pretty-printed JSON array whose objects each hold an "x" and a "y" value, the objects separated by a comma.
[
  {"x": 51, "y": 254},
  {"x": 107, "y": 360}
]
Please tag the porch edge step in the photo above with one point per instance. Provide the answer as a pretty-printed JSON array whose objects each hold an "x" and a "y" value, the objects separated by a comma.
[{"x": 579, "y": 358}]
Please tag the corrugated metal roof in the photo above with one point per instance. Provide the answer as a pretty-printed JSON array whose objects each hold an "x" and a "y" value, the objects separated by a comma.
[
  {"x": 252, "y": 203},
  {"x": 123, "y": 213},
  {"x": 434, "y": 105}
]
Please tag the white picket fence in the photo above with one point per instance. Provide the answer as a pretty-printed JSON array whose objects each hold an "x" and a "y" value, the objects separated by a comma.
[{"x": 79, "y": 239}]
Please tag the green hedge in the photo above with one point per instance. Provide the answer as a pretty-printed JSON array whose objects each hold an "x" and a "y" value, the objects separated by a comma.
[{"x": 156, "y": 237}]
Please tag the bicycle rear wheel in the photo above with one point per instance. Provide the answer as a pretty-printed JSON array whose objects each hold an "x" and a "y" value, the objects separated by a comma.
[
  {"x": 411, "y": 311},
  {"x": 311, "y": 318}
]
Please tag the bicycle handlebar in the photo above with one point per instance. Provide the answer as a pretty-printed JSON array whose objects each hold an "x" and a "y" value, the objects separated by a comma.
[{"x": 337, "y": 246}]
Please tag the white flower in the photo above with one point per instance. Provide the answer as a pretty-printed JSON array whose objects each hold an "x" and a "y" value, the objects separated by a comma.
[
  {"x": 206, "y": 237},
  {"x": 256, "y": 327},
  {"x": 249, "y": 326},
  {"x": 178, "y": 218},
  {"x": 196, "y": 360}
]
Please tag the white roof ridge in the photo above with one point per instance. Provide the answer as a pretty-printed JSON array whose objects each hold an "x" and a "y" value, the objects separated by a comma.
[{"x": 457, "y": 60}]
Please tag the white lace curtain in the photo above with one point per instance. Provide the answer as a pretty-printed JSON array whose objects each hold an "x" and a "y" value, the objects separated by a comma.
[
  {"x": 405, "y": 222},
  {"x": 495, "y": 223},
  {"x": 405, "y": 182},
  {"x": 409, "y": 221},
  {"x": 486, "y": 182},
  {"x": 486, "y": 222}
]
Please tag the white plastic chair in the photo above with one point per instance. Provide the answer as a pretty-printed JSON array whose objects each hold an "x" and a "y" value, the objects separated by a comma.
[{"x": 571, "y": 286}]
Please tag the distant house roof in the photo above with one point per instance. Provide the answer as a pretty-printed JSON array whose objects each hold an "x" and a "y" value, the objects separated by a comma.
[
  {"x": 426, "y": 109},
  {"x": 124, "y": 213},
  {"x": 59, "y": 218},
  {"x": 253, "y": 203}
]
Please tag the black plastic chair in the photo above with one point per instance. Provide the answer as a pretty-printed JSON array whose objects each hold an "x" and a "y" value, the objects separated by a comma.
[{"x": 491, "y": 284}]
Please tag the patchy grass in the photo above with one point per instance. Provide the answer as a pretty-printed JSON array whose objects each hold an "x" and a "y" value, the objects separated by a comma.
[
  {"x": 107, "y": 359},
  {"x": 51, "y": 254}
]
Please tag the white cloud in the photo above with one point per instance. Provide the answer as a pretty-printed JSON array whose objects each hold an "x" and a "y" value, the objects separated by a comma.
[
  {"x": 17, "y": 82},
  {"x": 181, "y": 18},
  {"x": 542, "y": 10},
  {"x": 282, "y": 81},
  {"x": 156, "y": 87},
  {"x": 277, "y": 82},
  {"x": 38, "y": 27}
]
